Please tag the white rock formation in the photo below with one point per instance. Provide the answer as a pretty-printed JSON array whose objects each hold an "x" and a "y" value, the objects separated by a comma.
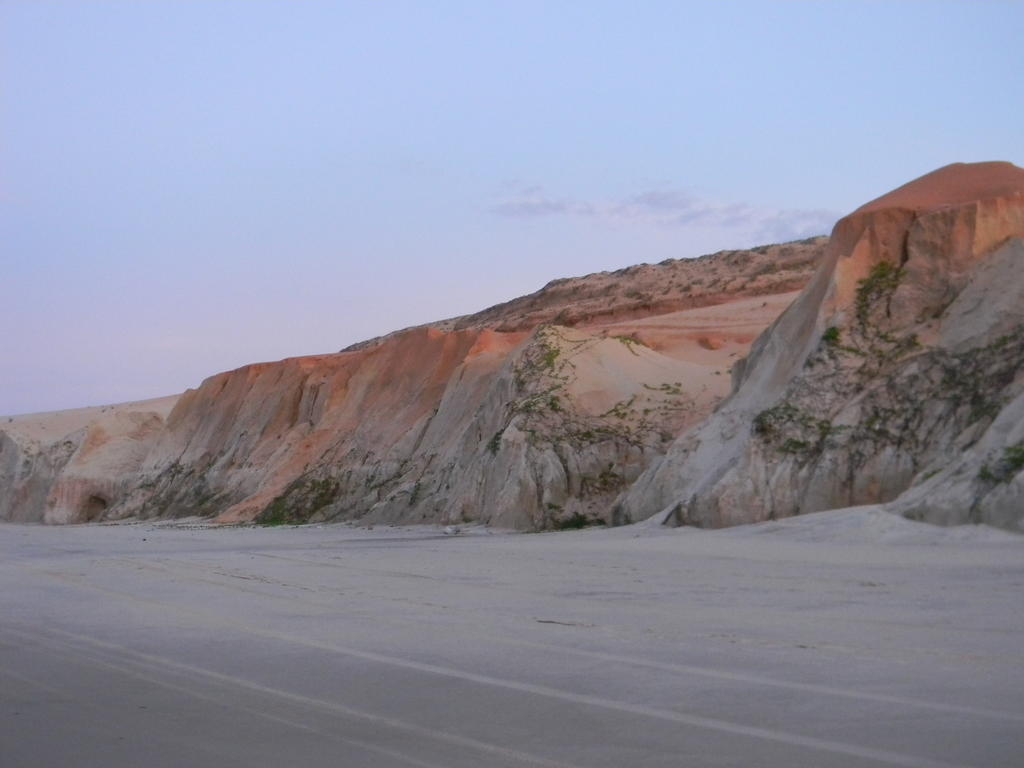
[{"x": 899, "y": 370}]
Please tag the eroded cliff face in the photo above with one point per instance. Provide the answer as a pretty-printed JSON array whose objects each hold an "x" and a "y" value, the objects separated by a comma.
[
  {"x": 891, "y": 371},
  {"x": 533, "y": 414},
  {"x": 897, "y": 376},
  {"x": 518, "y": 429},
  {"x": 72, "y": 466},
  {"x": 27, "y": 472}
]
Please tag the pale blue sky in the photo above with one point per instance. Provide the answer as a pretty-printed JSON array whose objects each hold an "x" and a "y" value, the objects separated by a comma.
[{"x": 189, "y": 186}]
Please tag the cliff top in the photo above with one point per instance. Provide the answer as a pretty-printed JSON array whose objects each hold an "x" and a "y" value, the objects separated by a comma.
[{"x": 953, "y": 184}]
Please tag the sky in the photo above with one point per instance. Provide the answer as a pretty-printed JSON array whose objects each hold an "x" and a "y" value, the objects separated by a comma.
[{"x": 190, "y": 186}]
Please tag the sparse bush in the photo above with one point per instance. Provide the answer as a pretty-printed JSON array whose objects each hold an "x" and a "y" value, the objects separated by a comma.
[
  {"x": 575, "y": 522},
  {"x": 880, "y": 283},
  {"x": 794, "y": 446},
  {"x": 494, "y": 444},
  {"x": 792, "y": 430},
  {"x": 630, "y": 342},
  {"x": 1011, "y": 462},
  {"x": 300, "y": 501},
  {"x": 1014, "y": 457}
]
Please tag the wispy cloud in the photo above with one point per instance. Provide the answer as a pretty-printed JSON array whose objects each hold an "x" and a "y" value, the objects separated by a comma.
[
  {"x": 527, "y": 207},
  {"x": 671, "y": 207}
]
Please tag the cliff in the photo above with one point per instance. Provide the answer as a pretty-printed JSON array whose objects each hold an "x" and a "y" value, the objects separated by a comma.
[
  {"x": 888, "y": 368},
  {"x": 532, "y": 414},
  {"x": 71, "y": 466},
  {"x": 896, "y": 377}
]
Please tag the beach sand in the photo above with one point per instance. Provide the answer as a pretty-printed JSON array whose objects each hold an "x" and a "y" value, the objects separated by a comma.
[{"x": 847, "y": 638}]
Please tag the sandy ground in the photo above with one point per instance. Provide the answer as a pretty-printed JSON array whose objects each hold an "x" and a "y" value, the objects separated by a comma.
[{"x": 840, "y": 639}]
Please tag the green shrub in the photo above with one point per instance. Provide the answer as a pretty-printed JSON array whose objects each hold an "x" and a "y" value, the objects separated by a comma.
[
  {"x": 1014, "y": 457},
  {"x": 880, "y": 283},
  {"x": 494, "y": 444},
  {"x": 1007, "y": 467},
  {"x": 575, "y": 522},
  {"x": 301, "y": 499}
]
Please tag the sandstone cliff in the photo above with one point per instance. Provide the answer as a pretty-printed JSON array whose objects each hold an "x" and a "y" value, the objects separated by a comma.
[
  {"x": 890, "y": 370},
  {"x": 897, "y": 376},
  {"x": 532, "y": 414},
  {"x": 71, "y": 466}
]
